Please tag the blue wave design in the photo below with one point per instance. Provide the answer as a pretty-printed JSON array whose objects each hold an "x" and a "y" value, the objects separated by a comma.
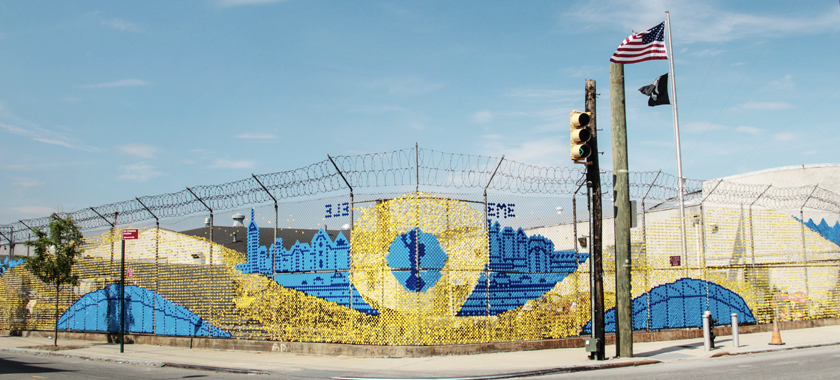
[
  {"x": 682, "y": 304},
  {"x": 146, "y": 312}
]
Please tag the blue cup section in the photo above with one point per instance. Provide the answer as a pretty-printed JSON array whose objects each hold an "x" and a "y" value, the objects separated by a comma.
[
  {"x": 146, "y": 312},
  {"x": 416, "y": 262},
  {"x": 681, "y": 304}
]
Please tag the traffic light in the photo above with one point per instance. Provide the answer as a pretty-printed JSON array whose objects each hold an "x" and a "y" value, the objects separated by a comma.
[{"x": 580, "y": 134}]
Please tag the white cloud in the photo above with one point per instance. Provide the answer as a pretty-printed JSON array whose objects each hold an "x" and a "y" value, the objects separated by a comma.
[
  {"x": 46, "y": 136},
  {"x": 482, "y": 117},
  {"x": 119, "y": 83},
  {"x": 702, "y": 127},
  {"x": 785, "y": 83},
  {"x": 544, "y": 152},
  {"x": 35, "y": 210},
  {"x": 406, "y": 86},
  {"x": 751, "y": 130},
  {"x": 236, "y": 3},
  {"x": 705, "y": 53},
  {"x": 583, "y": 71},
  {"x": 765, "y": 106},
  {"x": 228, "y": 164},
  {"x": 257, "y": 136},
  {"x": 542, "y": 94},
  {"x": 139, "y": 172},
  {"x": 121, "y": 25},
  {"x": 139, "y": 150},
  {"x": 696, "y": 21},
  {"x": 376, "y": 110},
  {"x": 28, "y": 182},
  {"x": 784, "y": 136}
]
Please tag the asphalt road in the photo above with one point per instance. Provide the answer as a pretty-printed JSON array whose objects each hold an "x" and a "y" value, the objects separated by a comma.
[
  {"x": 813, "y": 363},
  {"x": 26, "y": 366},
  {"x": 804, "y": 364}
]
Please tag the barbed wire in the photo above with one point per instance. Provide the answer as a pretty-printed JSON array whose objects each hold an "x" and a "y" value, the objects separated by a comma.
[{"x": 427, "y": 168}]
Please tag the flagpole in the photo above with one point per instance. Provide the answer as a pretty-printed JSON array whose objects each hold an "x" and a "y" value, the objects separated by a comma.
[{"x": 680, "y": 182}]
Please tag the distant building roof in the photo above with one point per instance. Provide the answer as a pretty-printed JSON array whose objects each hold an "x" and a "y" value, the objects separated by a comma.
[{"x": 224, "y": 236}]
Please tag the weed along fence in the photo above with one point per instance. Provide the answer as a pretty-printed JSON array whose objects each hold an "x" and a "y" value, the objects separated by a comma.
[{"x": 419, "y": 247}]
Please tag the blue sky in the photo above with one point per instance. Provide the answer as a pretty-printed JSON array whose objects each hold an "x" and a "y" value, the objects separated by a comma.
[{"x": 103, "y": 101}]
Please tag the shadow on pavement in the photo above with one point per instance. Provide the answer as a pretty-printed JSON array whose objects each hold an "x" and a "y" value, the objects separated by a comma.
[
  {"x": 668, "y": 349},
  {"x": 12, "y": 366}
]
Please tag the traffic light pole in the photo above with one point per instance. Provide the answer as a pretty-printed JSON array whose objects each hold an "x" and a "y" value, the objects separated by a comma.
[
  {"x": 593, "y": 176},
  {"x": 621, "y": 191}
]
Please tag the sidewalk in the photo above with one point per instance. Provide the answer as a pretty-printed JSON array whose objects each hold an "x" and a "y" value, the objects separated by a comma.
[{"x": 482, "y": 365}]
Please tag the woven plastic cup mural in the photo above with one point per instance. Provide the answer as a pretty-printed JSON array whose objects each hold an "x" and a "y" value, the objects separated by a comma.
[{"x": 413, "y": 267}]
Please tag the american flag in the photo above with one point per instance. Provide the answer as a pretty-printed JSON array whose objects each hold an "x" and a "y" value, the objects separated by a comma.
[{"x": 642, "y": 46}]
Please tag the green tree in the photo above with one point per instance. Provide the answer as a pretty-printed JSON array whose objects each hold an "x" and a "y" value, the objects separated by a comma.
[{"x": 55, "y": 254}]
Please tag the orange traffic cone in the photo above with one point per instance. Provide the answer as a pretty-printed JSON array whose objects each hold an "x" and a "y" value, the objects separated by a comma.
[{"x": 776, "y": 340}]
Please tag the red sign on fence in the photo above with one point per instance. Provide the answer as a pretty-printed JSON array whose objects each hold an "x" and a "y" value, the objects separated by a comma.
[
  {"x": 130, "y": 234},
  {"x": 675, "y": 261},
  {"x": 129, "y": 272}
]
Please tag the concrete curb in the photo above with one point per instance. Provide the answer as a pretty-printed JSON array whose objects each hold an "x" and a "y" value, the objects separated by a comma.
[
  {"x": 777, "y": 349},
  {"x": 215, "y": 369},
  {"x": 150, "y": 363},
  {"x": 86, "y": 357},
  {"x": 539, "y": 372}
]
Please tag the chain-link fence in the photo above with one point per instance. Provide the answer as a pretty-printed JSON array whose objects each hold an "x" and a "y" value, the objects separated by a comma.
[{"x": 419, "y": 247}]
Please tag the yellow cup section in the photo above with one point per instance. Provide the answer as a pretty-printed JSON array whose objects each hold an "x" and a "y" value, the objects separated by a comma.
[{"x": 460, "y": 231}]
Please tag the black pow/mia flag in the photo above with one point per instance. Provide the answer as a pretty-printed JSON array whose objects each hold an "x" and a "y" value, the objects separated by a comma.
[{"x": 658, "y": 91}]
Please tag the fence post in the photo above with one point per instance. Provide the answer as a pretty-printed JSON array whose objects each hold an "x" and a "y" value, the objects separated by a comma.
[
  {"x": 644, "y": 244},
  {"x": 487, "y": 227},
  {"x": 11, "y": 241},
  {"x": 276, "y": 220},
  {"x": 157, "y": 245},
  {"x": 28, "y": 234},
  {"x": 752, "y": 238},
  {"x": 113, "y": 225},
  {"x": 211, "y": 222},
  {"x": 575, "y": 232},
  {"x": 804, "y": 250},
  {"x": 352, "y": 205},
  {"x": 703, "y": 240}
]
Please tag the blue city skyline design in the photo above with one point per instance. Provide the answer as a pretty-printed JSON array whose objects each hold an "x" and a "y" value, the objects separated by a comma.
[
  {"x": 146, "y": 311},
  {"x": 319, "y": 268},
  {"x": 521, "y": 268}
]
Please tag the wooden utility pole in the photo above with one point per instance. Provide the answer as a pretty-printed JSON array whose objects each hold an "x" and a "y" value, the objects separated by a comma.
[
  {"x": 593, "y": 176},
  {"x": 621, "y": 196}
]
